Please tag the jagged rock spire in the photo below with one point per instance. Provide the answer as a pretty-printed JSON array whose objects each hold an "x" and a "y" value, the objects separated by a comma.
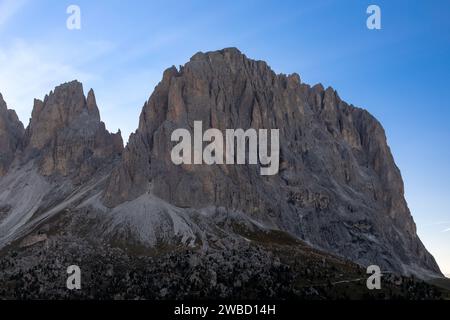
[{"x": 66, "y": 134}]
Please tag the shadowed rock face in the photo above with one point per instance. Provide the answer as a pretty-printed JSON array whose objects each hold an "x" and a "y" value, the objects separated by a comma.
[
  {"x": 63, "y": 157},
  {"x": 11, "y": 132},
  {"x": 338, "y": 187},
  {"x": 66, "y": 136}
]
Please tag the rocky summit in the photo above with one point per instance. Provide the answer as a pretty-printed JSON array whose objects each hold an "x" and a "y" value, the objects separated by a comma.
[
  {"x": 337, "y": 200},
  {"x": 66, "y": 135},
  {"x": 64, "y": 152}
]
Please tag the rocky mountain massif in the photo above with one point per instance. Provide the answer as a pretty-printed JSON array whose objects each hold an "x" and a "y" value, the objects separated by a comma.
[{"x": 66, "y": 181}]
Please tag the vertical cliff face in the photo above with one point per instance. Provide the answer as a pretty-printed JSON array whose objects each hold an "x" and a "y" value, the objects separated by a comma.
[
  {"x": 338, "y": 186},
  {"x": 11, "y": 133},
  {"x": 62, "y": 157},
  {"x": 65, "y": 135}
]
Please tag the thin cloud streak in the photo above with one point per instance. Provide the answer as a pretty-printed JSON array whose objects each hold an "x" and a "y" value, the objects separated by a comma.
[
  {"x": 439, "y": 223},
  {"x": 30, "y": 70},
  {"x": 8, "y": 8}
]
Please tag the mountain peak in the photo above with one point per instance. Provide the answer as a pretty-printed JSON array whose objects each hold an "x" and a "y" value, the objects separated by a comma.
[
  {"x": 70, "y": 85},
  {"x": 61, "y": 108},
  {"x": 335, "y": 159},
  {"x": 2, "y": 102},
  {"x": 69, "y": 122},
  {"x": 231, "y": 51},
  {"x": 91, "y": 104}
]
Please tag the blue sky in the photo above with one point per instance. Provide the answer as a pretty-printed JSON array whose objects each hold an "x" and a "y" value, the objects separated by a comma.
[{"x": 400, "y": 73}]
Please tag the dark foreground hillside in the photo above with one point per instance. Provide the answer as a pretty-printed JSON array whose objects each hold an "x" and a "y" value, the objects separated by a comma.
[{"x": 272, "y": 266}]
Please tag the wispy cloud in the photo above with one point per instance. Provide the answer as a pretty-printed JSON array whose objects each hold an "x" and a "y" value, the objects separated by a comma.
[
  {"x": 438, "y": 223},
  {"x": 30, "y": 70},
  {"x": 446, "y": 230},
  {"x": 8, "y": 8}
]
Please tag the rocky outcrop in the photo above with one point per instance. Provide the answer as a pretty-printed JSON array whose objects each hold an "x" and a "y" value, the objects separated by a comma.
[
  {"x": 66, "y": 137},
  {"x": 338, "y": 187},
  {"x": 11, "y": 133}
]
